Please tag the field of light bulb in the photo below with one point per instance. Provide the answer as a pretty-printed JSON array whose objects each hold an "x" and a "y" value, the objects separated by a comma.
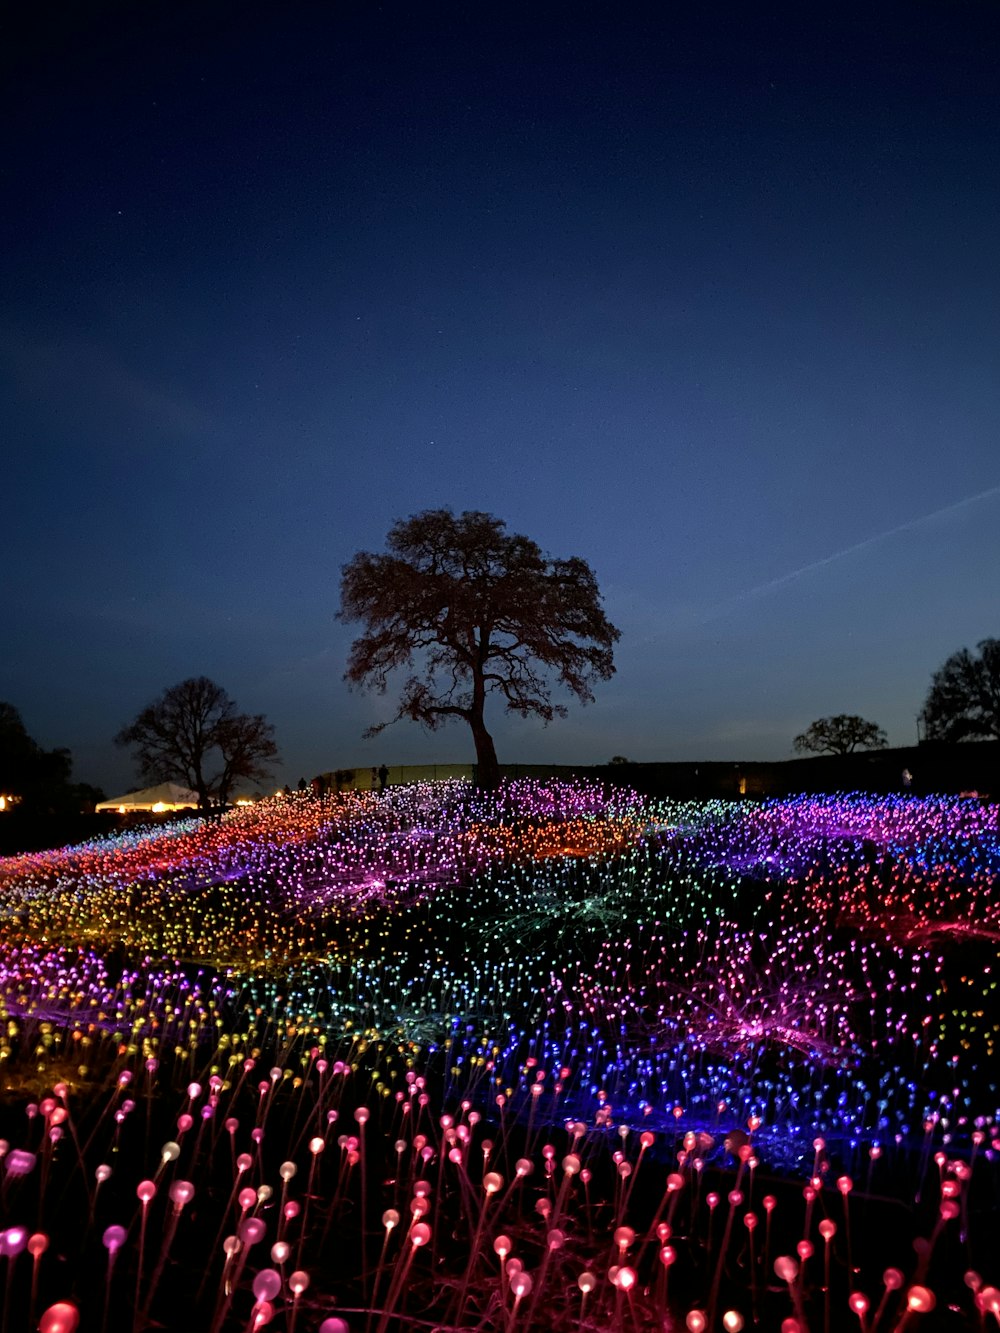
[{"x": 558, "y": 1057}]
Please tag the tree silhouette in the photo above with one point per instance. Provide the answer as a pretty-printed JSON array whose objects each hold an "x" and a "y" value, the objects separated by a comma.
[
  {"x": 842, "y": 734},
  {"x": 36, "y": 778},
  {"x": 192, "y": 729},
  {"x": 474, "y": 611},
  {"x": 964, "y": 699}
]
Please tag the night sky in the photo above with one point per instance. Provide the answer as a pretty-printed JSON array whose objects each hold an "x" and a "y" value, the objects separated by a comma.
[{"x": 708, "y": 295}]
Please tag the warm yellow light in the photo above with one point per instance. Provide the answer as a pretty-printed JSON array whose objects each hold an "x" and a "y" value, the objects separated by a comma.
[
  {"x": 121, "y": 809},
  {"x": 244, "y": 800},
  {"x": 3, "y": 802},
  {"x": 159, "y": 807}
]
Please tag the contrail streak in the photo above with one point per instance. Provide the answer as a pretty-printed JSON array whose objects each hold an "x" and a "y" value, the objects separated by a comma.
[{"x": 783, "y": 580}]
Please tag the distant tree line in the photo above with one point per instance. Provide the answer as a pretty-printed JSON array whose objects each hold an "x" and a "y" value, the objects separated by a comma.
[
  {"x": 963, "y": 703},
  {"x": 33, "y": 780}
]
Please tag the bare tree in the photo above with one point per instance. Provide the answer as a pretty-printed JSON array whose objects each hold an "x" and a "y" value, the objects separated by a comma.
[
  {"x": 474, "y": 611},
  {"x": 964, "y": 698},
  {"x": 193, "y": 734},
  {"x": 842, "y": 734}
]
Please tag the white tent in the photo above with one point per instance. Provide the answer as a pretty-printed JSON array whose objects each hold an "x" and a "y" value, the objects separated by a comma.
[{"x": 167, "y": 796}]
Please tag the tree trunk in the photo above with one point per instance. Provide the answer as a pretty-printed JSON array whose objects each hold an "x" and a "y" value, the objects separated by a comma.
[{"x": 487, "y": 768}]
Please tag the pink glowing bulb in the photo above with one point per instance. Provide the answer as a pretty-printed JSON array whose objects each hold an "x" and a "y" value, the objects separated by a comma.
[
  {"x": 521, "y": 1284},
  {"x": 804, "y": 1250},
  {"x": 502, "y": 1246},
  {"x": 280, "y": 1251},
  {"x": 750, "y": 1221},
  {"x": 114, "y": 1238},
  {"x": 786, "y": 1268},
  {"x": 827, "y": 1229},
  {"x": 859, "y": 1303},
  {"x": 523, "y": 1167},
  {"x": 291, "y": 1209},
  {"x": 712, "y": 1200},
  {"x": 102, "y": 1173},
  {"x": 298, "y": 1282},
  {"x": 586, "y": 1282},
  {"x": 38, "y": 1244},
  {"x": 732, "y": 1321},
  {"x": 13, "y": 1241},
  {"x": 735, "y": 1197},
  {"x": 390, "y": 1219},
  {"x": 252, "y": 1230},
  {"x": 492, "y": 1182},
  {"x": 624, "y": 1237},
  {"x": 920, "y": 1299},
  {"x": 892, "y": 1279},
  {"x": 625, "y": 1279},
  {"x": 362, "y": 1115},
  {"x": 263, "y": 1313},
  {"x": 316, "y": 1145},
  {"x": 145, "y": 1191},
  {"x": 181, "y": 1193},
  {"x": 267, "y": 1284},
  {"x": 769, "y": 1202},
  {"x": 287, "y": 1170},
  {"x": 59, "y": 1318},
  {"x": 420, "y": 1235},
  {"x": 555, "y": 1239},
  {"x": 845, "y": 1184},
  {"x": 184, "y": 1123},
  {"x": 19, "y": 1163},
  {"x": 696, "y": 1321}
]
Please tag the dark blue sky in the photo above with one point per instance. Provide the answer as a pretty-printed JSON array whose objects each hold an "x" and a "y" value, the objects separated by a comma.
[{"x": 708, "y": 295}]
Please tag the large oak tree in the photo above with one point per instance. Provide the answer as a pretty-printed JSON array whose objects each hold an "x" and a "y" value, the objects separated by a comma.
[
  {"x": 472, "y": 611},
  {"x": 964, "y": 699},
  {"x": 193, "y": 734},
  {"x": 842, "y": 734}
]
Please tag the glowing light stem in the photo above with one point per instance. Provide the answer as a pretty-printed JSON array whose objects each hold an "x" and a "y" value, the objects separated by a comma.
[
  {"x": 847, "y": 1232},
  {"x": 364, "y": 1199},
  {"x": 138, "y": 1271},
  {"x": 378, "y": 1277},
  {"x": 726, "y": 1233},
  {"x": 395, "y": 1286},
  {"x": 175, "y": 1213},
  {"x": 470, "y": 1265},
  {"x": 305, "y": 1210},
  {"x": 539, "y": 1284},
  {"x": 107, "y": 1294}
]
